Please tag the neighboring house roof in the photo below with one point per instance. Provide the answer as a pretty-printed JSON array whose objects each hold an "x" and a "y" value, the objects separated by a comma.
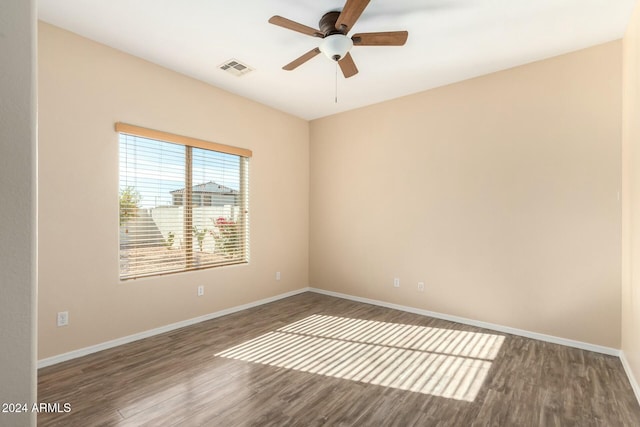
[{"x": 208, "y": 187}]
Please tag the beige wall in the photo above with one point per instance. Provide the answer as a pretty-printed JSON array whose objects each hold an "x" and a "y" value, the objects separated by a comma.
[
  {"x": 84, "y": 88},
  {"x": 500, "y": 193},
  {"x": 18, "y": 275},
  {"x": 631, "y": 197}
]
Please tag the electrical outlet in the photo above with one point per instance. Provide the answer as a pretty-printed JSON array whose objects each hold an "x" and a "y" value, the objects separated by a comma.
[
  {"x": 277, "y": 275},
  {"x": 63, "y": 318},
  {"x": 396, "y": 282},
  {"x": 200, "y": 290},
  {"x": 421, "y": 286}
]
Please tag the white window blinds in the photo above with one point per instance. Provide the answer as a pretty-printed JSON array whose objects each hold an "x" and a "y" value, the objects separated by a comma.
[{"x": 183, "y": 204}]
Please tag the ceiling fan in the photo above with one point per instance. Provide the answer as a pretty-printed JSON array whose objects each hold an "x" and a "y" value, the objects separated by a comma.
[{"x": 334, "y": 27}]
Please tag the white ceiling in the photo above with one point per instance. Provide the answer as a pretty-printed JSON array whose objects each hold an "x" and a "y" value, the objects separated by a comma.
[{"x": 449, "y": 41}]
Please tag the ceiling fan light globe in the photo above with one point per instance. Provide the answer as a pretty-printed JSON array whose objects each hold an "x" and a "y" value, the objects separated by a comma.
[{"x": 336, "y": 46}]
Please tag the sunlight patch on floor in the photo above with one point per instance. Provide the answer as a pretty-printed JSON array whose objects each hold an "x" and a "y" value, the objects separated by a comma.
[{"x": 440, "y": 362}]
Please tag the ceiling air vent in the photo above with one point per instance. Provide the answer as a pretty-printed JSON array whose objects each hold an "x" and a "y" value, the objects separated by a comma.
[{"x": 235, "y": 67}]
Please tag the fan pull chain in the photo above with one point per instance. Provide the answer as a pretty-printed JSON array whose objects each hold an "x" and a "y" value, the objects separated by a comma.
[{"x": 336, "y": 82}]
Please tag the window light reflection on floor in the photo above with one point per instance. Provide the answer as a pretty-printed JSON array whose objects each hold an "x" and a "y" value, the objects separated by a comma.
[{"x": 441, "y": 362}]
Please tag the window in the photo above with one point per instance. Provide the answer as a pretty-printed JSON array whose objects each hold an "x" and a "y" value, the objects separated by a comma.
[{"x": 168, "y": 223}]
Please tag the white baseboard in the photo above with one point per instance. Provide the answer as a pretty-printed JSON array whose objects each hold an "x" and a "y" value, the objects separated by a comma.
[
  {"x": 632, "y": 379},
  {"x": 499, "y": 328},
  {"x": 135, "y": 337}
]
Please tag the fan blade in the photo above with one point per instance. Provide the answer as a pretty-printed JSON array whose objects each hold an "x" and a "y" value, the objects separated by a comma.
[
  {"x": 347, "y": 66},
  {"x": 295, "y": 26},
  {"x": 390, "y": 38},
  {"x": 350, "y": 14},
  {"x": 301, "y": 60}
]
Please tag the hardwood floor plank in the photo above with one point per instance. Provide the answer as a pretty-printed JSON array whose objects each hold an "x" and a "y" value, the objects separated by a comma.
[{"x": 365, "y": 360}]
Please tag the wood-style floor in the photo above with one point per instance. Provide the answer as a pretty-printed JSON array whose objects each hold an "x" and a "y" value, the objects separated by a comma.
[{"x": 313, "y": 360}]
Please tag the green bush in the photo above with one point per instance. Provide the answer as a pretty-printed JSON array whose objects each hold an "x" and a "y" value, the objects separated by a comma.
[
  {"x": 129, "y": 203},
  {"x": 227, "y": 236},
  {"x": 200, "y": 235}
]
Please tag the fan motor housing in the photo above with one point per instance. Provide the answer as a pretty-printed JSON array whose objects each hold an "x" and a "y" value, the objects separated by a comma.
[{"x": 328, "y": 23}]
